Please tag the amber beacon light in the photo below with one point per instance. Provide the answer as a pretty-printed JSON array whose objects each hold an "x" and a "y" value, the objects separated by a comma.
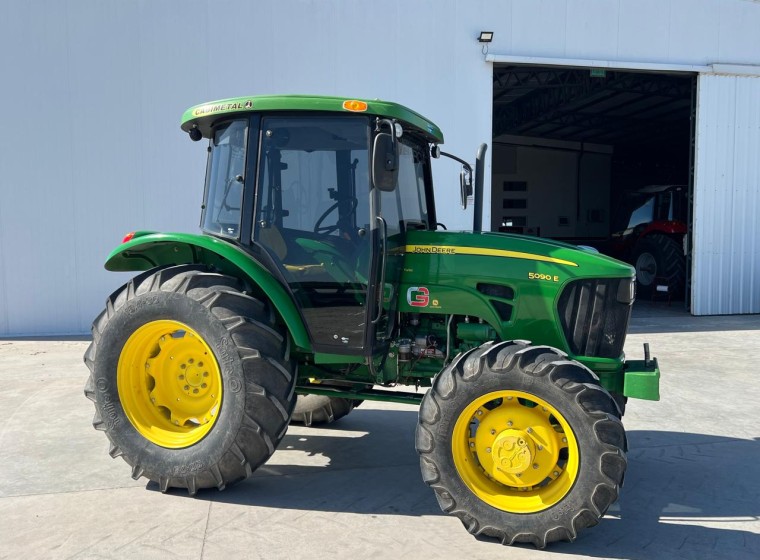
[{"x": 355, "y": 105}]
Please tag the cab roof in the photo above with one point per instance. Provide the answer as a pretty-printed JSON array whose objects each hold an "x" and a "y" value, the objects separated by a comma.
[{"x": 204, "y": 116}]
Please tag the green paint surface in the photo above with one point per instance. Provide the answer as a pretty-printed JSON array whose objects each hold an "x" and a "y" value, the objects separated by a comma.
[
  {"x": 205, "y": 115},
  {"x": 451, "y": 276},
  {"x": 160, "y": 249}
]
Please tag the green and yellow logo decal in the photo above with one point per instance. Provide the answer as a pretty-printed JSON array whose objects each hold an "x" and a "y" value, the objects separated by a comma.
[{"x": 482, "y": 252}]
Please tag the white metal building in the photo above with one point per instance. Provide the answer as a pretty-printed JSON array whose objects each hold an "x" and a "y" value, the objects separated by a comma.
[{"x": 91, "y": 94}]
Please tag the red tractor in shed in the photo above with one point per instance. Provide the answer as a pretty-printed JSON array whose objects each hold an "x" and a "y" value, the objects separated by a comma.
[{"x": 651, "y": 235}]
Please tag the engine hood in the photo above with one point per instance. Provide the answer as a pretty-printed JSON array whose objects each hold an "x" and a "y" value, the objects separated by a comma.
[{"x": 522, "y": 249}]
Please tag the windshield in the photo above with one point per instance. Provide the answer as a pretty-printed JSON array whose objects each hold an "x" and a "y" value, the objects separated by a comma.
[
  {"x": 643, "y": 214},
  {"x": 224, "y": 180}
]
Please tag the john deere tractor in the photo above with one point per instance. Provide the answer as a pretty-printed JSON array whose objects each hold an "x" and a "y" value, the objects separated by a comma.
[{"x": 322, "y": 278}]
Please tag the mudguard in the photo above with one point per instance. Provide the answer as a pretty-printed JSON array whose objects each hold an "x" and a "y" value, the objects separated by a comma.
[{"x": 148, "y": 250}]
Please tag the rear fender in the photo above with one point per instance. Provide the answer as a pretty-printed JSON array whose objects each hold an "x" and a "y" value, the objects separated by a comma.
[{"x": 150, "y": 250}]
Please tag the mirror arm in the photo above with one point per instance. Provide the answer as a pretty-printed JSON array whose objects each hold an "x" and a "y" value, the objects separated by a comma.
[
  {"x": 392, "y": 126},
  {"x": 455, "y": 158}
]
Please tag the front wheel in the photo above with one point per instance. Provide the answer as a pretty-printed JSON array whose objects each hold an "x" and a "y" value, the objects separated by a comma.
[
  {"x": 191, "y": 379},
  {"x": 521, "y": 444}
]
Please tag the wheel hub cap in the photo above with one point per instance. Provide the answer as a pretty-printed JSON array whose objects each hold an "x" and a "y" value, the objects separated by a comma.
[
  {"x": 646, "y": 269},
  {"x": 515, "y": 451},
  {"x": 511, "y": 453},
  {"x": 169, "y": 384}
]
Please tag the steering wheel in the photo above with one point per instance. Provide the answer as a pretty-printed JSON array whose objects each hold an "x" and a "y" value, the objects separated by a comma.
[{"x": 319, "y": 228}]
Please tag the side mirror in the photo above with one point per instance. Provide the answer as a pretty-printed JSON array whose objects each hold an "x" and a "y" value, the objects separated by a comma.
[
  {"x": 465, "y": 185},
  {"x": 385, "y": 162}
]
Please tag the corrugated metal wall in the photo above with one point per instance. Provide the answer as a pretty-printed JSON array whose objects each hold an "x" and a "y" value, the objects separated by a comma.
[
  {"x": 92, "y": 92},
  {"x": 726, "y": 237}
]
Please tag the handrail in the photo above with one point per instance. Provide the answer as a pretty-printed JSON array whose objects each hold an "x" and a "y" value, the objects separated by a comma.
[{"x": 381, "y": 287}]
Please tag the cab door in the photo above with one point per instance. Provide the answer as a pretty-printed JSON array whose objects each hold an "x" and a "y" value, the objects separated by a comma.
[{"x": 312, "y": 216}]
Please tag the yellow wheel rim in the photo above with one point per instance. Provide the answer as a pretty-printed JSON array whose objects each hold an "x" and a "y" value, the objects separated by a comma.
[
  {"x": 515, "y": 451},
  {"x": 169, "y": 383}
]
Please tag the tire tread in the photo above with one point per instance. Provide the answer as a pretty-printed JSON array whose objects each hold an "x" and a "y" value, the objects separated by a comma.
[
  {"x": 578, "y": 383},
  {"x": 263, "y": 351}
]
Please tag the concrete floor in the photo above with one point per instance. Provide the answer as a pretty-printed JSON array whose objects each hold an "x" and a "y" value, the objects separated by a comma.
[{"x": 354, "y": 490}]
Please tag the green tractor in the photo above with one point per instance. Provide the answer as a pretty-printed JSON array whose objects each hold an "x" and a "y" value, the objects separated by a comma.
[{"x": 322, "y": 278}]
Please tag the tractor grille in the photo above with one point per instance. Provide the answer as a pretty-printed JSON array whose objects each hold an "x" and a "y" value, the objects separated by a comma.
[{"x": 594, "y": 315}]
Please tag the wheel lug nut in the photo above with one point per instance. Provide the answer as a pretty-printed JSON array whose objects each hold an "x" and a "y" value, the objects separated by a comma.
[
  {"x": 509, "y": 423},
  {"x": 530, "y": 430},
  {"x": 535, "y": 465},
  {"x": 187, "y": 387},
  {"x": 181, "y": 377},
  {"x": 183, "y": 366},
  {"x": 190, "y": 361},
  {"x": 493, "y": 432},
  {"x": 205, "y": 374},
  {"x": 203, "y": 385},
  {"x": 195, "y": 391},
  {"x": 200, "y": 364},
  {"x": 540, "y": 447},
  {"x": 488, "y": 449}
]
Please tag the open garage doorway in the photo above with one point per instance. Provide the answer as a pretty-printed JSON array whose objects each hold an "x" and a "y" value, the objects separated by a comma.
[{"x": 598, "y": 157}]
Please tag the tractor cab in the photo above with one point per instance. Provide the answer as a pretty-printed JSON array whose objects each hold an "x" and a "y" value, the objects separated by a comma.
[{"x": 323, "y": 200}]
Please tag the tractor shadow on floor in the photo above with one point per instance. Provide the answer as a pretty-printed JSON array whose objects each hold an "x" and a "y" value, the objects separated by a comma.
[
  {"x": 365, "y": 463},
  {"x": 685, "y": 495}
]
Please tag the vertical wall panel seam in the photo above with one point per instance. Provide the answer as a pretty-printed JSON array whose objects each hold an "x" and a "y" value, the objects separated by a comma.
[
  {"x": 699, "y": 279},
  {"x": 4, "y": 319},
  {"x": 75, "y": 195}
]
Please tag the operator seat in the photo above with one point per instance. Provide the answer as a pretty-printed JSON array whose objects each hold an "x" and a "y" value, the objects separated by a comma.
[{"x": 271, "y": 237}]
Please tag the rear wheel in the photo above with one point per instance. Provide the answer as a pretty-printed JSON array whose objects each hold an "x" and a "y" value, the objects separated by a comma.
[
  {"x": 191, "y": 379},
  {"x": 659, "y": 260},
  {"x": 521, "y": 444},
  {"x": 319, "y": 409}
]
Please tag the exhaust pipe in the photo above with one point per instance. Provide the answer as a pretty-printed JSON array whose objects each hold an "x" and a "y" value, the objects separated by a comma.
[{"x": 480, "y": 163}]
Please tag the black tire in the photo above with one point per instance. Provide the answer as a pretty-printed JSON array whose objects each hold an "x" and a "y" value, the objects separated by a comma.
[
  {"x": 320, "y": 409},
  {"x": 621, "y": 401},
  {"x": 256, "y": 371},
  {"x": 659, "y": 257},
  {"x": 575, "y": 394}
]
